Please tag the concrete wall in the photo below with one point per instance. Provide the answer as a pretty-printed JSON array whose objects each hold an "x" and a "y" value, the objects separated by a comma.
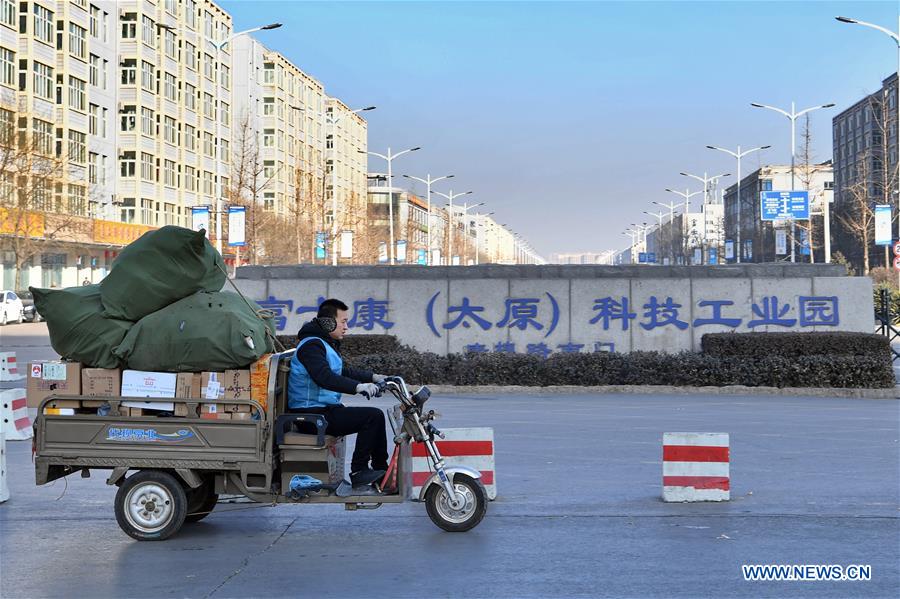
[{"x": 553, "y": 308}]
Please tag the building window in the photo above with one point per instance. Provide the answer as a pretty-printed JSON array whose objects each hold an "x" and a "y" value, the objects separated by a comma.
[
  {"x": 147, "y": 76},
  {"x": 190, "y": 13},
  {"x": 7, "y": 127},
  {"x": 43, "y": 24},
  {"x": 269, "y": 201},
  {"x": 43, "y": 81},
  {"x": 7, "y": 67},
  {"x": 226, "y": 114},
  {"x": 268, "y": 72},
  {"x": 268, "y": 138},
  {"x": 95, "y": 22},
  {"x": 226, "y": 76},
  {"x": 94, "y": 70},
  {"x": 224, "y": 153},
  {"x": 208, "y": 25},
  {"x": 147, "y": 216},
  {"x": 147, "y": 33},
  {"x": 171, "y": 46},
  {"x": 77, "y": 96},
  {"x": 190, "y": 96},
  {"x": 170, "y": 131},
  {"x": 129, "y": 71},
  {"x": 127, "y": 163},
  {"x": 93, "y": 167},
  {"x": 209, "y": 144},
  {"x": 268, "y": 106},
  {"x": 190, "y": 178},
  {"x": 78, "y": 41},
  {"x": 8, "y": 13},
  {"x": 77, "y": 147},
  {"x": 190, "y": 56},
  {"x": 43, "y": 136},
  {"x": 172, "y": 7},
  {"x": 147, "y": 127},
  {"x": 77, "y": 204},
  {"x": 209, "y": 107},
  {"x": 209, "y": 70},
  {"x": 208, "y": 183},
  {"x": 147, "y": 167},
  {"x": 129, "y": 26},
  {"x": 169, "y": 178},
  {"x": 268, "y": 169},
  {"x": 190, "y": 137},
  {"x": 129, "y": 118},
  {"x": 94, "y": 119},
  {"x": 170, "y": 87}
]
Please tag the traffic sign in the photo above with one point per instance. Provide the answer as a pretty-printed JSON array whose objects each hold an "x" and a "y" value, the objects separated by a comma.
[
  {"x": 783, "y": 205},
  {"x": 651, "y": 257},
  {"x": 897, "y": 248},
  {"x": 642, "y": 257},
  {"x": 897, "y": 263}
]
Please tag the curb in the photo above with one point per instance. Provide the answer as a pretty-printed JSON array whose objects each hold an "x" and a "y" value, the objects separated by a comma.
[{"x": 670, "y": 390}]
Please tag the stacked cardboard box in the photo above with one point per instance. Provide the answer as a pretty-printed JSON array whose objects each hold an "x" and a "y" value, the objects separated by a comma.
[{"x": 51, "y": 377}]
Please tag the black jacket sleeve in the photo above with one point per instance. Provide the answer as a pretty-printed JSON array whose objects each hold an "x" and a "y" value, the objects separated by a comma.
[
  {"x": 357, "y": 374},
  {"x": 312, "y": 356}
]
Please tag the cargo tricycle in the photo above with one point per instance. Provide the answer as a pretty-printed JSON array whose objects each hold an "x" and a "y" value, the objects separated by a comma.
[{"x": 173, "y": 470}]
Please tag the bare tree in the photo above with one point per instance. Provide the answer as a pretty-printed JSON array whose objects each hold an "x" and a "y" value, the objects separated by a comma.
[
  {"x": 856, "y": 214},
  {"x": 35, "y": 205}
]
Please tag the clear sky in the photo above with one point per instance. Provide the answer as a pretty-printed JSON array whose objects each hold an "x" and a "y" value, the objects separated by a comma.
[{"x": 569, "y": 118}]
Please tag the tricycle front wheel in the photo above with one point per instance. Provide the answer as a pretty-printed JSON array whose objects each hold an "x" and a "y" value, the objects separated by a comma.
[
  {"x": 151, "y": 505},
  {"x": 465, "y": 517}
]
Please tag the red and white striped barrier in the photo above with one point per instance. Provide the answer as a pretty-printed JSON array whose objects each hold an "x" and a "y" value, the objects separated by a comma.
[
  {"x": 696, "y": 467},
  {"x": 16, "y": 423},
  {"x": 4, "y": 490},
  {"x": 9, "y": 368},
  {"x": 471, "y": 447}
]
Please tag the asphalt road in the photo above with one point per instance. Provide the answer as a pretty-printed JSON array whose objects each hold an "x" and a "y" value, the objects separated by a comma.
[{"x": 814, "y": 481}]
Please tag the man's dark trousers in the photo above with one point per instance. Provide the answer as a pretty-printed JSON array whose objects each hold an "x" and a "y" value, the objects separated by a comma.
[{"x": 367, "y": 423}]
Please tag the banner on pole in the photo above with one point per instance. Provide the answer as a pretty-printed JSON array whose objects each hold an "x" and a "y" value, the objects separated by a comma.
[
  {"x": 421, "y": 257},
  {"x": 697, "y": 259},
  {"x": 200, "y": 219},
  {"x": 804, "y": 242},
  {"x": 382, "y": 252},
  {"x": 729, "y": 249},
  {"x": 436, "y": 256},
  {"x": 346, "y": 244},
  {"x": 320, "y": 246},
  {"x": 883, "y": 224},
  {"x": 237, "y": 220},
  {"x": 713, "y": 256},
  {"x": 780, "y": 242},
  {"x": 401, "y": 250}
]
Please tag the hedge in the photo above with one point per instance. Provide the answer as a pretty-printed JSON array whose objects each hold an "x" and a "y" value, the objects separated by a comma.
[
  {"x": 635, "y": 368},
  {"x": 355, "y": 345},
  {"x": 793, "y": 345}
]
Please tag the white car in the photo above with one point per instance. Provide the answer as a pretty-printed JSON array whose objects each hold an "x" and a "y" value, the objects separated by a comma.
[{"x": 11, "y": 308}]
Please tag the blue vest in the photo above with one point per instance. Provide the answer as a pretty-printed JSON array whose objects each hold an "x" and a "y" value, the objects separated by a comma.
[{"x": 303, "y": 392}]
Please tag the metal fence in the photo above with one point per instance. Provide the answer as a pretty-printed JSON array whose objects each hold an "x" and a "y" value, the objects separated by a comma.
[{"x": 887, "y": 315}]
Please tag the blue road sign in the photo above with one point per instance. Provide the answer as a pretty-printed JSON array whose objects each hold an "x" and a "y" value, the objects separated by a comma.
[
  {"x": 713, "y": 255},
  {"x": 651, "y": 257},
  {"x": 642, "y": 257},
  {"x": 783, "y": 205}
]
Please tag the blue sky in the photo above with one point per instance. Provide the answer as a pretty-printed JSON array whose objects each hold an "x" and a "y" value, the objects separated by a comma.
[{"x": 569, "y": 118}]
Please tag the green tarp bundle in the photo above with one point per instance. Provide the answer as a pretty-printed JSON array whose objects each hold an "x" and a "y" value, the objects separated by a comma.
[
  {"x": 205, "y": 331},
  {"x": 78, "y": 329},
  {"x": 159, "y": 268}
]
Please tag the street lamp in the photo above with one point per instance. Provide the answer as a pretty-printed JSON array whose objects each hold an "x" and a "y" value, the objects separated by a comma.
[
  {"x": 896, "y": 38},
  {"x": 450, "y": 197},
  {"x": 466, "y": 208},
  {"x": 220, "y": 47},
  {"x": 738, "y": 154},
  {"x": 687, "y": 194},
  {"x": 792, "y": 115},
  {"x": 390, "y": 158},
  {"x": 706, "y": 180},
  {"x": 429, "y": 181},
  {"x": 479, "y": 223}
]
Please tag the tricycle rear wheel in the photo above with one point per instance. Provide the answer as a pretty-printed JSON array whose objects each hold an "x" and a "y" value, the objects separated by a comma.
[
  {"x": 151, "y": 505},
  {"x": 201, "y": 502},
  {"x": 467, "y": 517}
]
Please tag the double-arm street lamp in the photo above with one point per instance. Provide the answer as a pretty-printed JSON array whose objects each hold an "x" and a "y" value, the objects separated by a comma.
[
  {"x": 465, "y": 210},
  {"x": 450, "y": 197},
  {"x": 220, "y": 47},
  {"x": 389, "y": 157},
  {"x": 738, "y": 154},
  {"x": 428, "y": 181},
  {"x": 793, "y": 115},
  {"x": 706, "y": 180}
]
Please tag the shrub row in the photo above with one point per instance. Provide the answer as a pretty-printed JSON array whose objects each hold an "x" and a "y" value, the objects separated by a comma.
[
  {"x": 355, "y": 345},
  {"x": 793, "y": 345},
  {"x": 636, "y": 368}
]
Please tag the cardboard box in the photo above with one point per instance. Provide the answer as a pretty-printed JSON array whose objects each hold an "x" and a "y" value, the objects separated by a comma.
[
  {"x": 51, "y": 377},
  {"x": 159, "y": 406},
  {"x": 181, "y": 410},
  {"x": 132, "y": 411},
  {"x": 212, "y": 385},
  {"x": 216, "y": 416},
  {"x": 101, "y": 382},
  {"x": 138, "y": 383},
  {"x": 187, "y": 385},
  {"x": 237, "y": 384},
  {"x": 259, "y": 381},
  {"x": 64, "y": 403},
  {"x": 212, "y": 408}
]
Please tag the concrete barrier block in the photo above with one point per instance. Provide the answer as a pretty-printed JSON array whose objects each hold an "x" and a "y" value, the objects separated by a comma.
[{"x": 696, "y": 467}]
